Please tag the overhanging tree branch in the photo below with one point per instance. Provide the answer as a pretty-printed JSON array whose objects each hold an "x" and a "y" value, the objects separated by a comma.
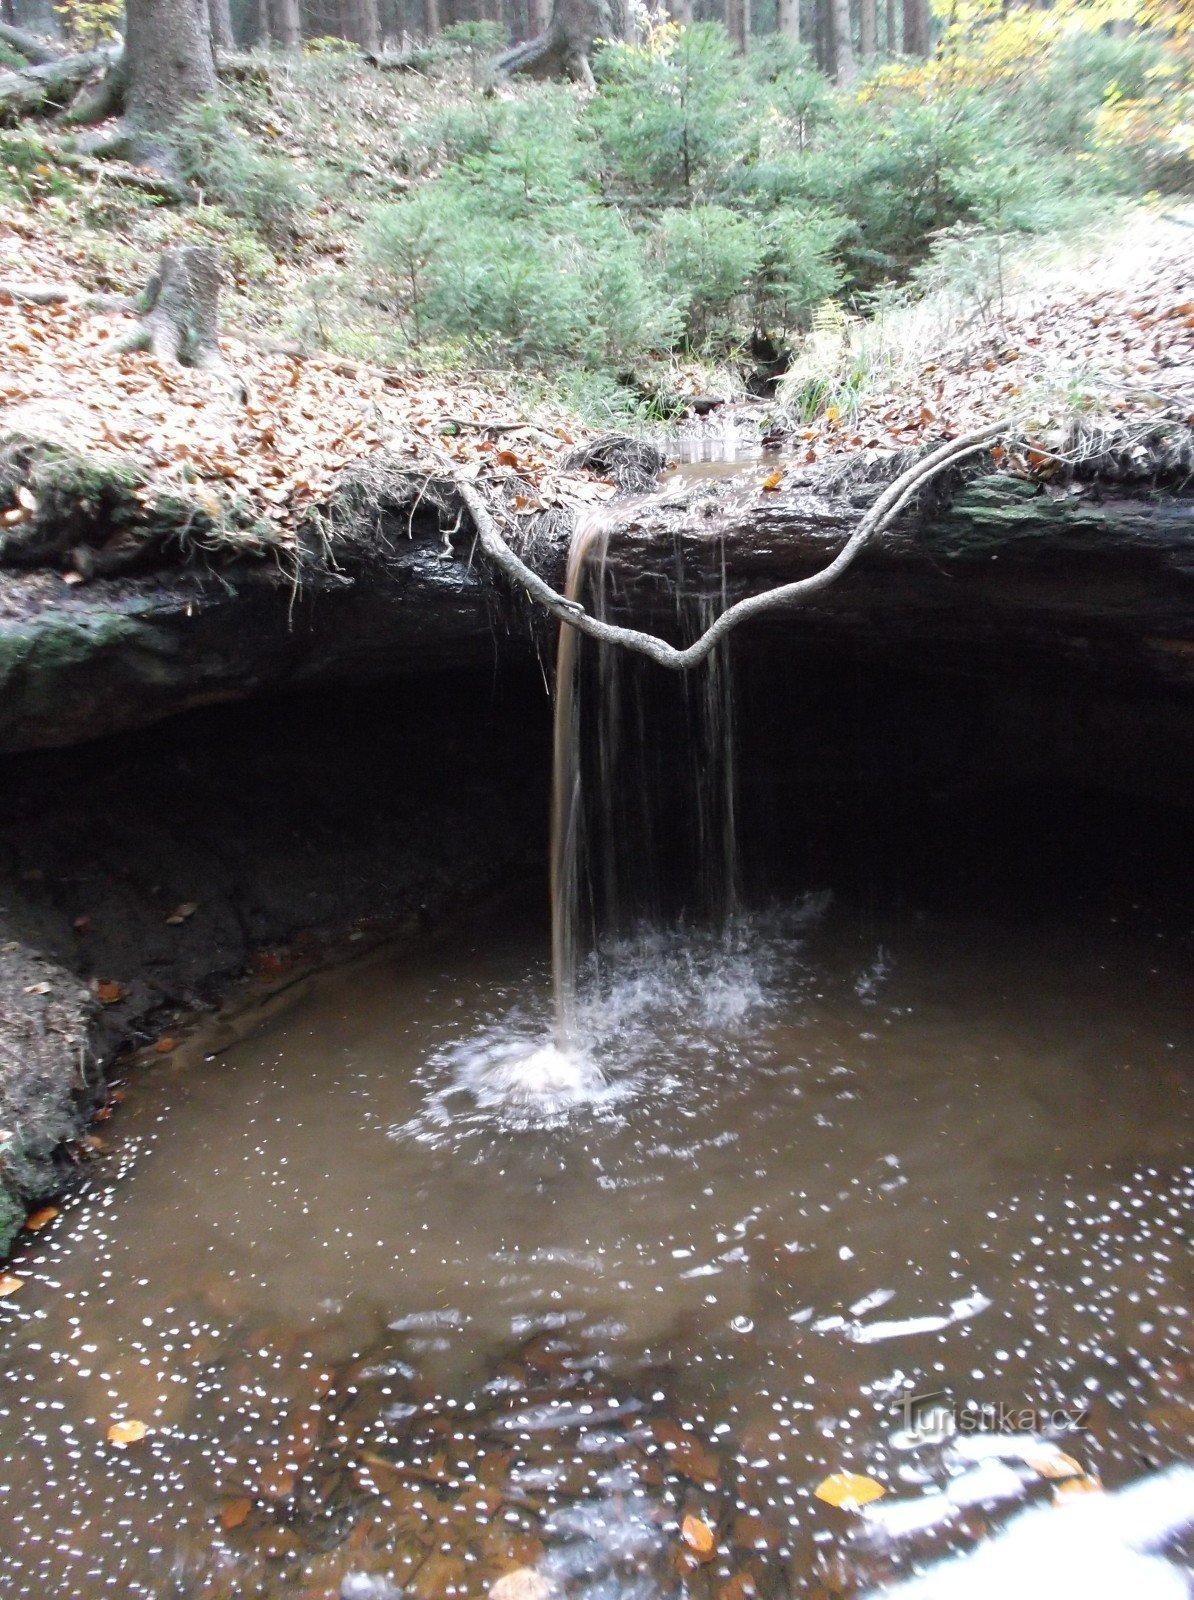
[{"x": 885, "y": 509}]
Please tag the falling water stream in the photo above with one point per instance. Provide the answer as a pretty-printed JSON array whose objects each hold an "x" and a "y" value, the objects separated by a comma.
[{"x": 353, "y": 1302}]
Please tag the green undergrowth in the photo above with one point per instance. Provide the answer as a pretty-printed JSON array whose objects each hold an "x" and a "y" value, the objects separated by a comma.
[{"x": 701, "y": 213}]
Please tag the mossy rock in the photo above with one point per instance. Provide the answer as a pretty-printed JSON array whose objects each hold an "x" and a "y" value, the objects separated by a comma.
[{"x": 101, "y": 515}]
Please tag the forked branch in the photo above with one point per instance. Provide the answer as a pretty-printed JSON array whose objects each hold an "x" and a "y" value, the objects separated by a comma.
[{"x": 885, "y": 509}]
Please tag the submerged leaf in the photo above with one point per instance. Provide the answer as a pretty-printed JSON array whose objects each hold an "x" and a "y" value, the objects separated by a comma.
[
  {"x": 127, "y": 1432},
  {"x": 698, "y": 1536},
  {"x": 849, "y": 1490}
]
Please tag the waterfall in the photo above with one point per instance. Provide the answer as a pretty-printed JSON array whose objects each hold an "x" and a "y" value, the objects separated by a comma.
[{"x": 615, "y": 776}]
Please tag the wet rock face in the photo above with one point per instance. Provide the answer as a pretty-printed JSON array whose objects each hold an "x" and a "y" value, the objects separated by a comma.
[{"x": 1105, "y": 565}]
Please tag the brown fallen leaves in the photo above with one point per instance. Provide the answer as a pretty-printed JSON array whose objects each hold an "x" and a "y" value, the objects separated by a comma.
[
  {"x": 9, "y": 1284},
  {"x": 699, "y": 1537},
  {"x": 283, "y": 453},
  {"x": 37, "y": 1220},
  {"x": 1134, "y": 339}
]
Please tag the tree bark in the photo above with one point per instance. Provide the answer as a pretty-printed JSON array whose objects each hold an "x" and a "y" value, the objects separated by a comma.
[
  {"x": 431, "y": 18},
  {"x": 538, "y": 16},
  {"x": 286, "y": 24},
  {"x": 180, "y": 316},
  {"x": 843, "y": 45},
  {"x": 220, "y": 12},
  {"x": 868, "y": 28},
  {"x": 738, "y": 22},
  {"x": 169, "y": 61},
  {"x": 36, "y": 51},
  {"x": 917, "y": 40},
  {"x": 563, "y": 48},
  {"x": 787, "y": 19},
  {"x": 368, "y": 26},
  {"x": 892, "y": 41}
]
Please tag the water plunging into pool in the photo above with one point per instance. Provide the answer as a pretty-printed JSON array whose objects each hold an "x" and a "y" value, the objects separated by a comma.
[{"x": 789, "y": 1200}]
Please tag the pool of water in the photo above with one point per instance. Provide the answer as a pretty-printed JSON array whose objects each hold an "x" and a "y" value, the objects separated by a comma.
[{"x": 381, "y": 1307}]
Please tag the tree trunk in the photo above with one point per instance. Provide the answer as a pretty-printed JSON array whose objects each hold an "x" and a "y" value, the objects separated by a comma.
[
  {"x": 220, "y": 12},
  {"x": 539, "y": 17},
  {"x": 682, "y": 13},
  {"x": 868, "y": 28},
  {"x": 431, "y": 18},
  {"x": 738, "y": 22},
  {"x": 169, "y": 61},
  {"x": 843, "y": 44},
  {"x": 180, "y": 319},
  {"x": 892, "y": 41},
  {"x": 563, "y": 48},
  {"x": 286, "y": 24},
  {"x": 368, "y": 26},
  {"x": 916, "y": 27},
  {"x": 787, "y": 19}
]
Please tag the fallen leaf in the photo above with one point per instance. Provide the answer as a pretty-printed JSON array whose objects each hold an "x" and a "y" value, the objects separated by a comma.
[
  {"x": 36, "y": 1220},
  {"x": 773, "y": 479},
  {"x": 524, "y": 1583},
  {"x": 1072, "y": 1487},
  {"x": 849, "y": 1490},
  {"x": 1053, "y": 1464},
  {"x": 180, "y": 913},
  {"x": 234, "y": 1512},
  {"x": 38, "y": 988},
  {"x": 108, "y": 992},
  {"x": 126, "y": 1433},
  {"x": 165, "y": 1045},
  {"x": 698, "y": 1536},
  {"x": 10, "y": 1285}
]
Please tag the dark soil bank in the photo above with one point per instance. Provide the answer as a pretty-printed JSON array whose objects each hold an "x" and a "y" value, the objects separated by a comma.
[
  {"x": 292, "y": 827},
  {"x": 1006, "y": 682}
]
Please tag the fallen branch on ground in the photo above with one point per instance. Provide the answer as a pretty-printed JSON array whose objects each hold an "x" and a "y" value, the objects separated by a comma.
[
  {"x": 888, "y": 506},
  {"x": 50, "y": 86},
  {"x": 36, "y": 51}
]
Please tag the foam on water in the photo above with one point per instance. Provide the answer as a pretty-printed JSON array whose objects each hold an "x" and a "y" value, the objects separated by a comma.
[{"x": 648, "y": 1006}]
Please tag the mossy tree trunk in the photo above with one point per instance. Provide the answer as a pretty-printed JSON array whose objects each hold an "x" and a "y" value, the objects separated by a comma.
[
  {"x": 169, "y": 62},
  {"x": 180, "y": 312}
]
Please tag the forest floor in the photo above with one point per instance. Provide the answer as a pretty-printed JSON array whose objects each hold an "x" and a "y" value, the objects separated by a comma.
[
  {"x": 1113, "y": 341},
  {"x": 1104, "y": 331}
]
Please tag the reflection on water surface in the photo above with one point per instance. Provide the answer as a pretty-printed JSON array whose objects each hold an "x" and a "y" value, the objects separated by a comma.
[{"x": 383, "y": 1312}]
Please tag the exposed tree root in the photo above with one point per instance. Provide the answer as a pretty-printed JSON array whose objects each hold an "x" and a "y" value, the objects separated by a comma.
[
  {"x": 180, "y": 313},
  {"x": 885, "y": 509}
]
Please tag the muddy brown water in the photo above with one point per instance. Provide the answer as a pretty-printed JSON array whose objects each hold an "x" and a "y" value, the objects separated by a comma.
[{"x": 380, "y": 1315}]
